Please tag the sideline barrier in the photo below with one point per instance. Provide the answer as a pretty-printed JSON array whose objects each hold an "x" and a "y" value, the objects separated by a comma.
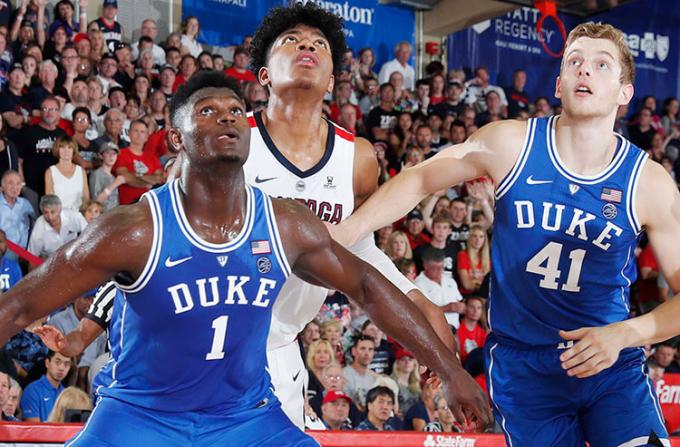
[{"x": 14, "y": 434}]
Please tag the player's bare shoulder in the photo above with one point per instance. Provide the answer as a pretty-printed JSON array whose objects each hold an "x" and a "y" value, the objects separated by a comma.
[{"x": 366, "y": 170}]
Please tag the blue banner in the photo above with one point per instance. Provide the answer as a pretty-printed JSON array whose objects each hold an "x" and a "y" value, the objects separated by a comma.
[
  {"x": 367, "y": 22},
  {"x": 510, "y": 42}
]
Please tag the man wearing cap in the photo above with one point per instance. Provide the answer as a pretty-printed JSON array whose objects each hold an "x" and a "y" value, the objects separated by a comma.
[
  {"x": 333, "y": 379},
  {"x": 81, "y": 42},
  {"x": 441, "y": 289},
  {"x": 21, "y": 37},
  {"x": 103, "y": 184},
  {"x": 414, "y": 227},
  {"x": 125, "y": 75},
  {"x": 167, "y": 75},
  {"x": 335, "y": 410},
  {"x": 113, "y": 31},
  {"x": 150, "y": 29},
  {"x": 239, "y": 70},
  {"x": 454, "y": 104},
  {"x": 68, "y": 319},
  {"x": 402, "y": 53}
]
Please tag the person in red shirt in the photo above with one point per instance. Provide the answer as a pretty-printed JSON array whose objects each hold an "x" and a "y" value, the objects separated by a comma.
[
  {"x": 187, "y": 68},
  {"x": 648, "y": 291},
  {"x": 141, "y": 170},
  {"x": 474, "y": 263},
  {"x": 239, "y": 70},
  {"x": 471, "y": 334}
]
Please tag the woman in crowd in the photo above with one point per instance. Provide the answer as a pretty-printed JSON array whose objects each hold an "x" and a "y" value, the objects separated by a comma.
[
  {"x": 145, "y": 65},
  {"x": 382, "y": 236},
  {"x": 319, "y": 355},
  {"x": 91, "y": 210},
  {"x": 474, "y": 263},
  {"x": 363, "y": 69},
  {"x": 437, "y": 89},
  {"x": 97, "y": 44},
  {"x": 405, "y": 372},
  {"x": 82, "y": 133},
  {"x": 97, "y": 100},
  {"x": 331, "y": 331},
  {"x": 71, "y": 398},
  {"x": 422, "y": 412},
  {"x": 67, "y": 180},
  {"x": 63, "y": 17},
  {"x": 190, "y": 30},
  {"x": 401, "y": 136},
  {"x": 669, "y": 120},
  {"x": 142, "y": 88},
  {"x": 444, "y": 421},
  {"x": 398, "y": 246},
  {"x": 30, "y": 67},
  {"x": 309, "y": 335}
]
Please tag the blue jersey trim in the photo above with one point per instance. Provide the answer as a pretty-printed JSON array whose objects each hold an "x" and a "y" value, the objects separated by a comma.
[
  {"x": 491, "y": 394},
  {"x": 620, "y": 155},
  {"x": 152, "y": 261},
  {"x": 276, "y": 237},
  {"x": 632, "y": 193},
  {"x": 196, "y": 240},
  {"x": 522, "y": 158}
]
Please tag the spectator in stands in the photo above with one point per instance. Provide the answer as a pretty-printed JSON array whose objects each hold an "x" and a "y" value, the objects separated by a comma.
[
  {"x": 14, "y": 104},
  {"x": 47, "y": 73},
  {"x": 71, "y": 398},
  {"x": 402, "y": 53},
  {"x": 55, "y": 227},
  {"x": 641, "y": 134},
  {"x": 141, "y": 170},
  {"x": 91, "y": 210},
  {"x": 167, "y": 77},
  {"x": 471, "y": 333},
  {"x": 173, "y": 57},
  {"x": 40, "y": 396},
  {"x": 81, "y": 43},
  {"x": 108, "y": 67},
  {"x": 348, "y": 118},
  {"x": 424, "y": 141},
  {"x": 441, "y": 289},
  {"x": 65, "y": 179},
  {"x": 414, "y": 229},
  {"x": 218, "y": 62},
  {"x": 331, "y": 331},
  {"x": 87, "y": 156},
  {"x": 240, "y": 69},
  {"x": 79, "y": 97},
  {"x": 335, "y": 410},
  {"x": 460, "y": 230},
  {"x": 205, "y": 61},
  {"x": 150, "y": 30},
  {"x": 359, "y": 377},
  {"x": 383, "y": 358},
  {"x": 518, "y": 99},
  {"x": 96, "y": 103},
  {"x": 474, "y": 263},
  {"x": 333, "y": 379},
  {"x": 145, "y": 66},
  {"x": 126, "y": 68},
  {"x": 380, "y": 405},
  {"x": 370, "y": 98},
  {"x": 35, "y": 149},
  {"x": 343, "y": 95},
  {"x": 477, "y": 89},
  {"x": 669, "y": 120},
  {"x": 114, "y": 120},
  {"x": 382, "y": 119},
  {"x": 4, "y": 396},
  {"x": 441, "y": 230},
  {"x": 401, "y": 136},
  {"x": 97, "y": 45},
  {"x": 190, "y": 30},
  {"x": 309, "y": 335},
  {"x": 142, "y": 89},
  {"x": 112, "y": 30},
  {"x": 10, "y": 411},
  {"x": 664, "y": 355},
  {"x": 256, "y": 96},
  {"x": 16, "y": 213},
  {"x": 444, "y": 421},
  {"x": 398, "y": 246},
  {"x": 649, "y": 101},
  {"x": 437, "y": 86},
  {"x": 542, "y": 107},
  {"x": 422, "y": 412},
  {"x": 187, "y": 67},
  {"x": 494, "y": 110},
  {"x": 435, "y": 122},
  {"x": 319, "y": 355},
  {"x": 405, "y": 372}
]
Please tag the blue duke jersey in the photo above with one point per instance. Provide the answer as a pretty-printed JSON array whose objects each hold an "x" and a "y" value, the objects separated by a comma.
[
  {"x": 563, "y": 243},
  {"x": 190, "y": 333}
]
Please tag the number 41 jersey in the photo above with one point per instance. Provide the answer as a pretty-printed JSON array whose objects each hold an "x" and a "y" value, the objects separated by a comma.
[
  {"x": 191, "y": 332},
  {"x": 563, "y": 243}
]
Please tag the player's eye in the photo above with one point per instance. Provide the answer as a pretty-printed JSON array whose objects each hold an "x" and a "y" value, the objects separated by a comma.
[
  {"x": 237, "y": 111},
  {"x": 289, "y": 39},
  {"x": 603, "y": 65},
  {"x": 322, "y": 43},
  {"x": 206, "y": 111}
]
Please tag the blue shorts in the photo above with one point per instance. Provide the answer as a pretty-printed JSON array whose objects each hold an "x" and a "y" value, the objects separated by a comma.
[
  {"x": 537, "y": 404},
  {"x": 115, "y": 423}
]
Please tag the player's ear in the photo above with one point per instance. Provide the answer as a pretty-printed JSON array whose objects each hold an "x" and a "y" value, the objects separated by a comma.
[
  {"x": 558, "y": 88},
  {"x": 175, "y": 140},
  {"x": 263, "y": 76},
  {"x": 626, "y": 94},
  {"x": 331, "y": 84}
]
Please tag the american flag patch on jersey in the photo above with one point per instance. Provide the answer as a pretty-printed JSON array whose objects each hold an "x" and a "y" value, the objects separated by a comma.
[
  {"x": 611, "y": 195},
  {"x": 260, "y": 247}
]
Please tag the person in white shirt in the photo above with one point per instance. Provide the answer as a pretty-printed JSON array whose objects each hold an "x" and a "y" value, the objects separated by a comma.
[
  {"x": 55, "y": 227},
  {"x": 191, "y": 28},
  {"x": 400, "y": 63},
  {"x": 150, "y": 29},
  {"x": 477, "y": 88},
  {"x": 359, "y": 377},
  {"x": 441, "y": 289}
]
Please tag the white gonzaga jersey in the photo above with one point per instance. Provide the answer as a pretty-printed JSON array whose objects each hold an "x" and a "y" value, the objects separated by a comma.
[{"x": 326, "y": 188}]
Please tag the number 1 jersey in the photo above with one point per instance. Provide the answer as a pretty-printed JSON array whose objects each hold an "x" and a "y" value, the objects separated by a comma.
[{"x": 563, "y": 245}]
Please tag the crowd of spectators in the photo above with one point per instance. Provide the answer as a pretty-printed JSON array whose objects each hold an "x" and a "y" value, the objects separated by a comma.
[{"x": 84, "y": 115}]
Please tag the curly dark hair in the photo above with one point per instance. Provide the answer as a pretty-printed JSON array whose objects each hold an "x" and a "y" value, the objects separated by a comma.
[
  {"x": 201, "y": 80},
  {"x": 281, "y": 19}
]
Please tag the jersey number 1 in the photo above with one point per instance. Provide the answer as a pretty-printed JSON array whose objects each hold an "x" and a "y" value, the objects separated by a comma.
[
  {"x": 219, "y": 324},
  {"x": 546, "y": 263}
]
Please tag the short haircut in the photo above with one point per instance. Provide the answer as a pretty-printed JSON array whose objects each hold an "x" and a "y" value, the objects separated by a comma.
[
  {"x": 605, "y": 31},
  {"x": 458, "y": 123},
  {"x": 378, "y": 391},
  {"x": 199, "y": 81},
  {"x": 404, "y": 265},
  {"x": 282, "y": 19},
  {"x": 145, "y": 39},
  {"x": 7, "y": 173},
  {"x": 361, "y": 338},
  {"x": 49, "y": 200},
  {"x": 139, "y": 121},
  {"x": 385, "y": 85},
  {"x": 475, "y": 297},
  {"x": 440, "y": 218},
  {"x": 459, "y": 199},
  {"x": 64, "y": 141},
  {"x": 432, "y": 254},
  {"x": 331, "y": 323}
]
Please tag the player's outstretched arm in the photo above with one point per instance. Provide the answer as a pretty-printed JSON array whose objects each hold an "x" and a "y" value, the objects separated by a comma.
[
  {"x": 658, "y": 208},
  {"x": 318, "y": 259},
  {"x": 492, "y": 150},
  {"x": 118, "y": 241},
  {"x": 73, "y": 343}
]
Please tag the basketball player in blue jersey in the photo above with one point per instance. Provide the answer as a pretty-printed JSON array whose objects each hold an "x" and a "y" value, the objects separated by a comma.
[
  {"x": 572, "y": 198},
  {"x": 202, "y": 261}
]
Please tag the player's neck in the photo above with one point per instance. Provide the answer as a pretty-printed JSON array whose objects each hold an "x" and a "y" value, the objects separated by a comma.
[
  {"x": 585, "y": 145},
  {"x": 296, "y": 125}
]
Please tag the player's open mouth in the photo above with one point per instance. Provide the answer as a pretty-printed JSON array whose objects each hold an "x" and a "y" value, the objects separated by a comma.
[
  {"x": 229, "y": 136},
  {"x": 583, "y": 90},
  {"x": 307, "y": 58}
]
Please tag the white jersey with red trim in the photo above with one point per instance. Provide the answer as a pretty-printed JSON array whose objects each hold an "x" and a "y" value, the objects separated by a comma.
[{"x": 326, "y": 188}]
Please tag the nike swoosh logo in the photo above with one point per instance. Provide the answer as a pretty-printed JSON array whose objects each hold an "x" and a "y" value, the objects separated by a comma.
[
  {"x": 531, "y": 181},
  {"x": 262, "y": 180},
  {"x": 170, "y": 263},
  {"x": 296, "y": 376}
]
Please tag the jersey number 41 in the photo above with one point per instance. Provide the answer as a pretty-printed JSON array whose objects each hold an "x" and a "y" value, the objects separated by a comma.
[{"x": 546, "y": 264}]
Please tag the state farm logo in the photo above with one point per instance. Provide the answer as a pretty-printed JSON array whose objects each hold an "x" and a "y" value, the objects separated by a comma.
[
  {"x": 650, "y": 45},
  {"x": 448, "y": 441}
]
